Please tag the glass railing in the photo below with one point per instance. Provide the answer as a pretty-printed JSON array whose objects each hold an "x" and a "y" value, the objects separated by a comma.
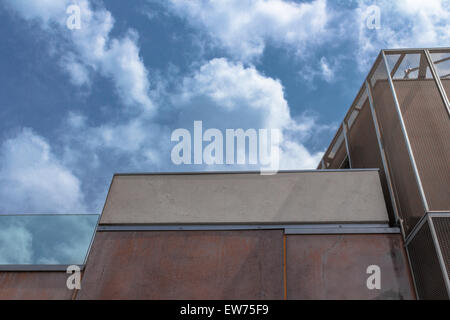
[{"x": 46, "y": 239}]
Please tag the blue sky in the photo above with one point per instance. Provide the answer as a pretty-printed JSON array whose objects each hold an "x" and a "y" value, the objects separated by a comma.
[{"x": 77, "y": 106}]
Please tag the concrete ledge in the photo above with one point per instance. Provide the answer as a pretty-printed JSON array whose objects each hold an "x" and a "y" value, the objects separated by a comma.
[{"x": 284, "y": 198}]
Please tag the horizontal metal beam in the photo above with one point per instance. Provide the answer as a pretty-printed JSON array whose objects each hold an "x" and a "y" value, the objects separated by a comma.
[
  {"x": 240, "y": 172},
  {"x": 413, "y": 50},
  {"x": 288, "y": 228},
  {"x": 344, "y": 229},
  {"x": 37, "y": 267}
]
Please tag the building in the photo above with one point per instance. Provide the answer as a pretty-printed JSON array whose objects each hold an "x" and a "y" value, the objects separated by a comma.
[
  {"x": 399, "y": 123},
  {"x": 378, "y": 203}
]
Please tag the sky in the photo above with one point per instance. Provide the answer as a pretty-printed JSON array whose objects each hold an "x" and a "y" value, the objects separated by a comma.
[{"x": 78, "y": 105}]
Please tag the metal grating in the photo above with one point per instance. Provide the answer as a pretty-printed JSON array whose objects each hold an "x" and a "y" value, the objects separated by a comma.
[
  {"x": 441, "y": 60},
  {"x": 442, "y": 227},
  {"x": 364, "y": 150},
  {"x": 404, "y": 184},
  {"x": 425, "y": 265},
  {"x": 425, "y": 116},
  {"x": 428, "y": 127}
]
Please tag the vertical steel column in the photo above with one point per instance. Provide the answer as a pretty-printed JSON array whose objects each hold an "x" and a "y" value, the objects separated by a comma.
[
  {"x": 344, "y": 129},
  {"x": 438, "y": 81},
  {"x": 383, "y": 158},
  {"x": 405, "y": 135}
]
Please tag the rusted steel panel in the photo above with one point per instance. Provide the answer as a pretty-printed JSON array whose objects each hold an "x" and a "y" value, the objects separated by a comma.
[
  {"x": 34, "y": 285},
  {"x": 185, "y": 265},
  {"x": 334, "y": 267}
]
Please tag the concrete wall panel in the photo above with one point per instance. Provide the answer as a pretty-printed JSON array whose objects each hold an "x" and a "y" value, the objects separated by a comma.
[{"x": 303, "y": 197}]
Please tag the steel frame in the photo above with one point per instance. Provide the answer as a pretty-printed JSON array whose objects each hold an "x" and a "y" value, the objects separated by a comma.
[
  {"x": 383, "y": 158},
  {"x": 348, "y": 228},
  {"x": 405, "y": 135}
]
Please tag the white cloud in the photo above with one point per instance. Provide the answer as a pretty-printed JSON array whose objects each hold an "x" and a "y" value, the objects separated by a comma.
[
  {"x": 43, "y": 10},
  {"x": 227, "y": 95},
  {"x": 323, "y": 70},
  {"x": 16, "y": 245},
  {"x": 404, "y": 24},
  {"x": 76, "y": 120},
  {"x": 232, "y": 87},
  {"x": 33, "y": 179},
  {"x": 245, "y": 27},
  {"x": 79, "y": 73},
  {"x": 92, "y": 46}
]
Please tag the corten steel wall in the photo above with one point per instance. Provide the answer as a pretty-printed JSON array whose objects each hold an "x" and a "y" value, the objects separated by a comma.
[
  {"x": 185, "y": 265},
  {"x": 334, "y": 267},
  {"x": 243, "y": 265},
  {"x": 364, "y": 150},
  {"x": 33, "y": 285}
]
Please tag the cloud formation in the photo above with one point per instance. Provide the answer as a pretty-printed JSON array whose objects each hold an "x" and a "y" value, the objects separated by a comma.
[
  {"x": 228, "y": 95},
  {"x": 91, "y": 48},
  {"x": 34, "y": 180},
  {"x": 404, "y": 24},
  {"x": 244, "y": 28}
]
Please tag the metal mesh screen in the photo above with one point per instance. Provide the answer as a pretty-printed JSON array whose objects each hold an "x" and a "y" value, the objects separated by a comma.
[
  {"x": 426, "y": 120},
  {"x": 364, "y": 149},
  {"x": 441, "y": 60},
  {"x": 404, "y": 184},
  {"x": 335, "y": 156},
  {"x": 428, "y": 126},
  {"x": 425, "y": 265},
  {"x": 339, "y": 157},
  {"x": 442, "y": 227}
]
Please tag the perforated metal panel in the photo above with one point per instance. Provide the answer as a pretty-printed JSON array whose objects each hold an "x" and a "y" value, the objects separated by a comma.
[
  {"x": 428, "y": 127},
  {"x": 405, "y": 187},
  {"x": 425, "y": 265},
  {"x": 365, "y": 152},
  {"x": 442, "y": 227}
]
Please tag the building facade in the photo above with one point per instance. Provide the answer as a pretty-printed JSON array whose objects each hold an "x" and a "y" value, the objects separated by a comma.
[
  {"x": 399, "y": 123},
  {"x": 373, "y": 222}
]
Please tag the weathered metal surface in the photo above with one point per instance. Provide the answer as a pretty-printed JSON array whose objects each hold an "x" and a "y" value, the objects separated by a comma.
[
  {"x": 334, "y": 267},
  {"x": 185, "y": 265},
  {"x": 34, "y": 285}
]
